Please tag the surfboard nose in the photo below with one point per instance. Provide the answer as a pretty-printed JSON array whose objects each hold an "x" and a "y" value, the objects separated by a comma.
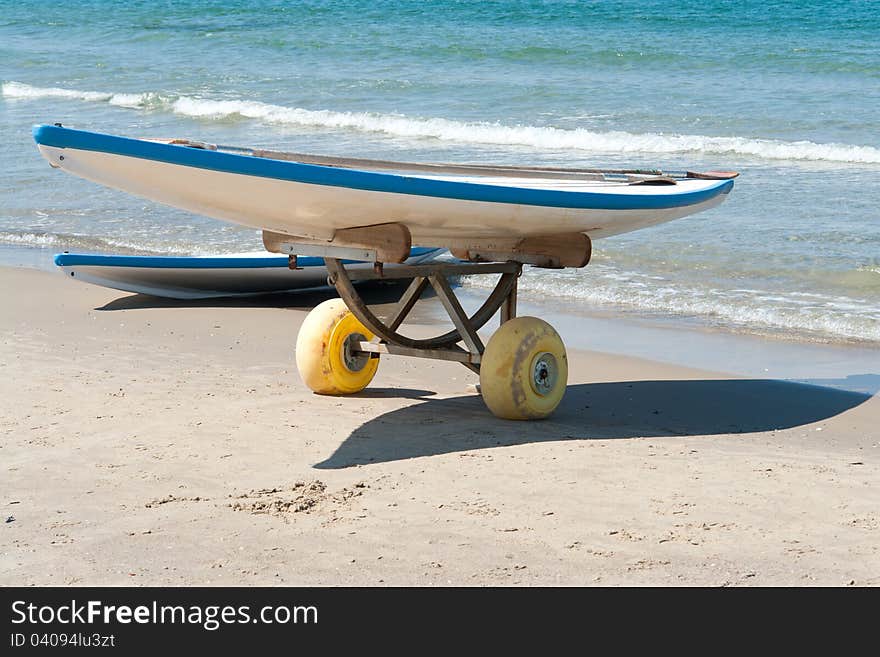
[
  {"x": 45, "y": 134},
  {"x": 49, "y": 139}
]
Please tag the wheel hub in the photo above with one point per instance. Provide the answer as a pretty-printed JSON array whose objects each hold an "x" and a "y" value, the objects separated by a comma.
[
  {"x": 545, "y": 372},
  {"x": 354, "y": 359}
]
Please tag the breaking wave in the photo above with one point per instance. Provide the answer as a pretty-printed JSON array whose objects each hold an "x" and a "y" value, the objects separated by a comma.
[
  {"x": 19, "y": 90},
  {"x": 396, "y": 125}
]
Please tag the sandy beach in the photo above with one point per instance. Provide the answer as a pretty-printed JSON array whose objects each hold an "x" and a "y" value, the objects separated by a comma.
[{"x": 148, "y": 442}]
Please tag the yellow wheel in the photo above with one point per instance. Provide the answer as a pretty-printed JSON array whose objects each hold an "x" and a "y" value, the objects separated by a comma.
[
  {"x": 524, "y": 370},
  {"x": 324, "y": 349}
]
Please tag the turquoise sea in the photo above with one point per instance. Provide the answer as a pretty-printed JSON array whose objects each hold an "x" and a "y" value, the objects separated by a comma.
[{"x": 785, "y": 92}]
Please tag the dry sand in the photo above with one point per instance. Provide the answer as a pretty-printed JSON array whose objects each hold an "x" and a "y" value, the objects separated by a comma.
[{"x": 150, "y": 442}]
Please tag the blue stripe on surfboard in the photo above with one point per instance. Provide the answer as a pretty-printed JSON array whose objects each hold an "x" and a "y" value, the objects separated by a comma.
[
  {"x": 58, "y": 137},
  {"x": 197, "y": 262}
]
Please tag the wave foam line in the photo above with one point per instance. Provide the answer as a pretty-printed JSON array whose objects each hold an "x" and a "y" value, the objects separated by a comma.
[
  {"x": 89, "y": 243},
  {"x": 829, "y": 317},
  {"x": 549, "y": 138},
  {"x": 19, "y": 90}
]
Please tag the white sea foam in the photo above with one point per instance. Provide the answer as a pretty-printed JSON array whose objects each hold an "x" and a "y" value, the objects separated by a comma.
[
  {"x": 29, "y": 239},
  {"x": 19, "y": 90},
  {"x": 539, "y": 137},
  {"x": 64, "y": 241},
  {"x": 134, "y": 101},
  {"x": 817, "y": 316}
]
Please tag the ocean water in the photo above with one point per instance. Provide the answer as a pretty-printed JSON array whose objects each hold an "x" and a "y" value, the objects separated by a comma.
[{"x": 785, "y": 92}]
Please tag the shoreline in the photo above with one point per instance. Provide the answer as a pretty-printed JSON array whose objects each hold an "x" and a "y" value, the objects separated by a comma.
[
  {"x": 676, "y": 341},
  {"x": 164, "y": 443}
]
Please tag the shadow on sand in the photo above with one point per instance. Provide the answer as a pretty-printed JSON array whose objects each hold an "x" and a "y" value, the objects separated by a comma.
[{"x": 627, "y": 409}]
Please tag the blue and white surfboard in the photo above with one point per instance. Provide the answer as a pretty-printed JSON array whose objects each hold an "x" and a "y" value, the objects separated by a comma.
[
  {"x": 201, "y": 277},
  {"x": 313, "y": 197}
]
